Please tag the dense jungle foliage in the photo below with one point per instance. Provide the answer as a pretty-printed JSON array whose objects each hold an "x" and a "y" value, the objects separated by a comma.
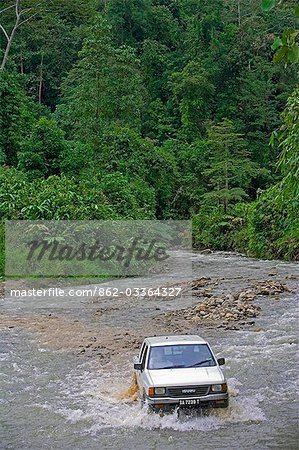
[{"x": 142, "y": 109}]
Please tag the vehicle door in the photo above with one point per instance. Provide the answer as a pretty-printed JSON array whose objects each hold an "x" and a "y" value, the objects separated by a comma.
[
  {"x": 141, "y": 373},
  {"x": 138, "y": 373}
]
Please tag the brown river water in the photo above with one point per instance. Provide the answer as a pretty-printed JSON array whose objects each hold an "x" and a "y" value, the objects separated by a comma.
[{"x": 66, "y": 370}]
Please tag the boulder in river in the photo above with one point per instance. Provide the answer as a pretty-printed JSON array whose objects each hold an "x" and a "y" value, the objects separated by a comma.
[{"x": 222, "y": 310}]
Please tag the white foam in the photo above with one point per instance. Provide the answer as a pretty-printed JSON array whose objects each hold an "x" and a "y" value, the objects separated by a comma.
[{"x": 99, "y": 404}]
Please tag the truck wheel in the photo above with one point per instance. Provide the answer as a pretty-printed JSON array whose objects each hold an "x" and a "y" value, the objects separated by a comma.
[
  {"x": 225, "y": 404},
  {"x": 142, "y": 400}
]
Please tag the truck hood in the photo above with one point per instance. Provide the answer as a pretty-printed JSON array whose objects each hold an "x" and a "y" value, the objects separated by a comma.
[{"x": 186, "y": 377}]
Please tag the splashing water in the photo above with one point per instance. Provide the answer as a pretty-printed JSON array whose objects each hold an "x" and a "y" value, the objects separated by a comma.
[
  {"x": 132, "y": 393},
  {"x": 103, "y": 406}
]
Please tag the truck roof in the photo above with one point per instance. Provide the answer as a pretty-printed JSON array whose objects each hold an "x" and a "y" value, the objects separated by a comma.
[{"x": 172, "y": 340}]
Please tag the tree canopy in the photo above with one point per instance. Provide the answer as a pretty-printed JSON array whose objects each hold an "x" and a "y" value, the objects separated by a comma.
[{"x": 152, "y": 108}]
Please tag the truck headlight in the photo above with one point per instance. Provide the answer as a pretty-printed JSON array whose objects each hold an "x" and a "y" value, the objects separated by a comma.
[
  {"x": 219, "y": 387},
  {"x": 160, "y": 391}
]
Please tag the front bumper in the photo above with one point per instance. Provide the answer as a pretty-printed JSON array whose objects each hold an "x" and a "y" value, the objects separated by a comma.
[{"x": 212, "y": 400}]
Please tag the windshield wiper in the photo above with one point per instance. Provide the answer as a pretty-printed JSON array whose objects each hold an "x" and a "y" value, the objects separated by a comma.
[
  {"x": 200, "y": 362},
  {"x": 181, "y": 366}
]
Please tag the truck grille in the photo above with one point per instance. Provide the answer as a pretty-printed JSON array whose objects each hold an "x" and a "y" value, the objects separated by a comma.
[{"x": 188, "y": 391}]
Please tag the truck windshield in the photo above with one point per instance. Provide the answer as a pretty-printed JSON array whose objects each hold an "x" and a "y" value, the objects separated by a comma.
[{"x": 180, "y": 356}]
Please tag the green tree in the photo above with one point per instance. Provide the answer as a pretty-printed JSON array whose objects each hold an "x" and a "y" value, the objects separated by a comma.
[
  {"x": 103, "y": 88},
  {"x": 289, "y": 156},
  {"x": 54, "y": 198},
  {"x": 190, "y": 182},
  {"x": 193, "y": 90},
  {"x": 45, "y": 47},
  {"x": 22, "y": 13},
  {"x": 163, "y": 176},
  {"x": 130, "y": 199},
  {"x": 129, "y": 19},
  {"x": 229, "y": 168},
  {"x": 41, "y": 153},
  {"x": 286, "y": 45},
  {"x": 163, "y": 26},
  {"x": 123, "y": 150},
  {"x": 76, "y": 157},
  {"x": 272, "y": 226},
  {"x": 155, "y": 62},
  {"x": 16, "y": 117}
]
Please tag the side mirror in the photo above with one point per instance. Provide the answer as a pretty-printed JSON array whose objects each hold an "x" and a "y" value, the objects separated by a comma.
[
  {"x": 221, "y": 361},
  {"x": 138, "y": 366}
]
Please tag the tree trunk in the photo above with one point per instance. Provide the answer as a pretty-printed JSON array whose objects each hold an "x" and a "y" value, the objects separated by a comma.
[
  {"x": 8, "y": 46},
  {"x": 22, "y": 64},
  {"x": 239, "y": 13},
  {"x": 18, "y": 23},
  {"x": 226, "y": 184},
  {"x": 40, "y": 85}
]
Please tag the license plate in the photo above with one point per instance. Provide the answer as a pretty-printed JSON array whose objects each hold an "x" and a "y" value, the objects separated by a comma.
[{"x": 190, "y": 402}]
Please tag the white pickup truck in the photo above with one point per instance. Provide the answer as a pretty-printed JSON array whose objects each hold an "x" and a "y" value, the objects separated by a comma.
[{"x": 180, "y": 371}]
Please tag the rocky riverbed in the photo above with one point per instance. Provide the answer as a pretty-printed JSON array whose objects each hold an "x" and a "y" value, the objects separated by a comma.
[
  {"x": 234, "y": 310},
  {"x": 230, "y": 311}
]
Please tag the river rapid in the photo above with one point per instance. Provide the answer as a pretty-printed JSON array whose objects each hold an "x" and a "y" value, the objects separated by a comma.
[{"x": 60, "y": 391}]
